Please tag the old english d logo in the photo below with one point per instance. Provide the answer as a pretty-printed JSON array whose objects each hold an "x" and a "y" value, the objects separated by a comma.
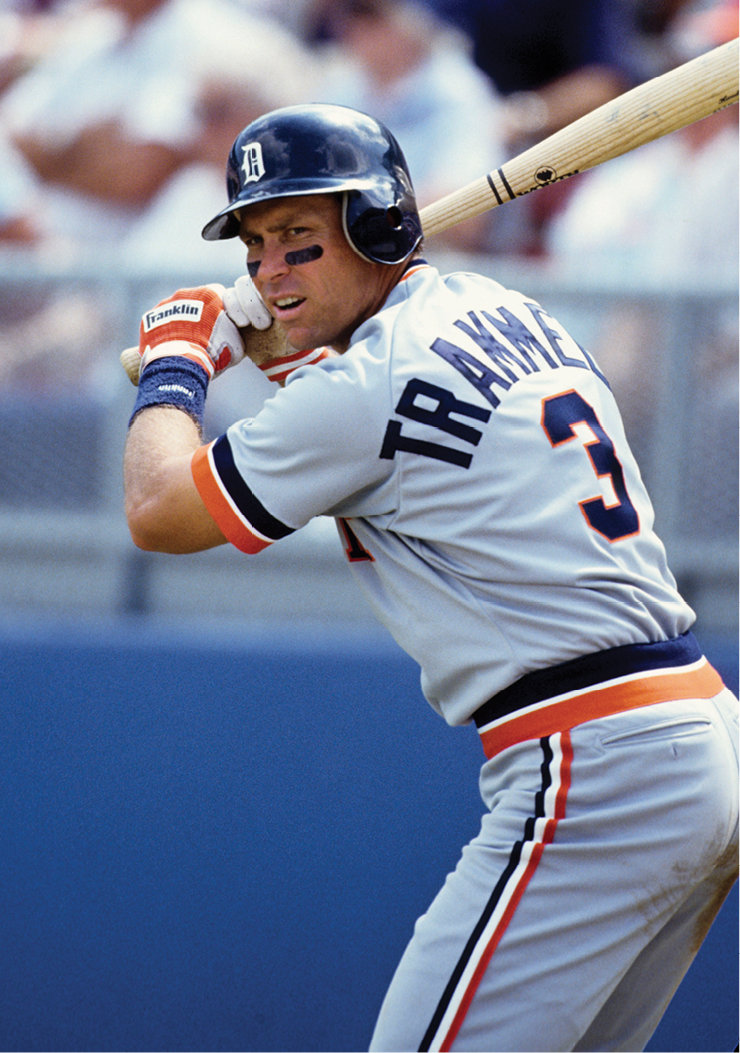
[{"x": 252, "y": 164}]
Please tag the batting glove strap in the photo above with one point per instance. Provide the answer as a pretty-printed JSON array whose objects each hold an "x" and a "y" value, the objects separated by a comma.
[
  {"x": 179, "y": 349},
  {"x": 177, "y": 382}
]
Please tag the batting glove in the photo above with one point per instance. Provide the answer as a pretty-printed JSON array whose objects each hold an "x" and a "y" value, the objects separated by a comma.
[
  {"x": 269, "y": 349},
  {"x": 200, "y": 324},
  {"x": 244, "y": 305},
  {"x": 192, "y": 324}
]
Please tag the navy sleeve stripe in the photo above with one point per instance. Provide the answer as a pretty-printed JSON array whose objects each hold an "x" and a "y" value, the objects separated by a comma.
[{"x": 246, "y": 502}]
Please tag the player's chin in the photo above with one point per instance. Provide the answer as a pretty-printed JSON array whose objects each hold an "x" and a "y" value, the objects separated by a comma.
[{"x": 301, "y": 338}]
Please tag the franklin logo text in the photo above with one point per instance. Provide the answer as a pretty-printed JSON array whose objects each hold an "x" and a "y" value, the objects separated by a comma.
[{"x": 188, "y": 310}]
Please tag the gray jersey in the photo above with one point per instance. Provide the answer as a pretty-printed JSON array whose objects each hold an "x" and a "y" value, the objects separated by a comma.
[{"x": 476, "y": 462}]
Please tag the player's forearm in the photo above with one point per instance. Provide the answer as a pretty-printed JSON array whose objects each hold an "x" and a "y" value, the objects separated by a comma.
[
  {"x": 163, "y": 507},
  {"x": 90, "y": 164}
]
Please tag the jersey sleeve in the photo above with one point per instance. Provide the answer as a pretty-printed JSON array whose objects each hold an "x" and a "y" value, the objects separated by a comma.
[
  {"x": 312, "y": 450},
  {"x": 241, "y": 517}
]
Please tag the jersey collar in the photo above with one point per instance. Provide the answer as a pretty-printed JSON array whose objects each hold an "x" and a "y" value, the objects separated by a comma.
[{"x": 412, "y": 267}]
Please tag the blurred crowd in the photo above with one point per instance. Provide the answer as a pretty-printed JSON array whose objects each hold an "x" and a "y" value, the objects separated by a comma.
[{"x": 116, "y": 117}]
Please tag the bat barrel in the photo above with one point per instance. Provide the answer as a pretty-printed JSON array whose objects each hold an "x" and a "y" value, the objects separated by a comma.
[{"x": 661, "y": 105}]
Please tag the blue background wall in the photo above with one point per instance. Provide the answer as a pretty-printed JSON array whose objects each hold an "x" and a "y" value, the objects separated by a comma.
[{"x": 211, "y": 842}]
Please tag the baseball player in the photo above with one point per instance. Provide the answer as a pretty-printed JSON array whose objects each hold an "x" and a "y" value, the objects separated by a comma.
[{"x": 487, "y": 501}]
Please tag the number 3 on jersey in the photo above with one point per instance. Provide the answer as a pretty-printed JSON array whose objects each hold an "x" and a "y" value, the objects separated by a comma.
[{"x": 560, "y": 416}]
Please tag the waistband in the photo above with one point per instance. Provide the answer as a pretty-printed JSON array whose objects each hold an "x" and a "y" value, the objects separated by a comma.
[{"x": 593, "y": 686}]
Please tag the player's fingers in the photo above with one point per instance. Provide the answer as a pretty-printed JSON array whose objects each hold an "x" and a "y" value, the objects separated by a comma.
[
  {"x": 234, "y": 309},
  {"x": 244, "y": 304}
]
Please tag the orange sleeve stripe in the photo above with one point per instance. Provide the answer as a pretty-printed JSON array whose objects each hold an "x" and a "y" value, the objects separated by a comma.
[
  {"x": 232, "y": 524},
  {"x": 704, "y": 682}
]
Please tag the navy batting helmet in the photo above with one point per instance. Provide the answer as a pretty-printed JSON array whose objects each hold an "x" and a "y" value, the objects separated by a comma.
[{"x": 321, "y": 149}]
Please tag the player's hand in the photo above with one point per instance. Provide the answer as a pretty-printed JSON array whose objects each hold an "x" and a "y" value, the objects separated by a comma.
[
  {"x": 264, "y": 340},
  {"x": 193, "y": 324},
  {"x": 244, "y": 305},
  {"x": 266, "y": 344}
]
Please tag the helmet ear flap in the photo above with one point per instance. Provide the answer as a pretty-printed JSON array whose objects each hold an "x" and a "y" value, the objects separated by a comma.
[
  {"x": 394, "y": 217},
  {"x": 379, "y": 232}
]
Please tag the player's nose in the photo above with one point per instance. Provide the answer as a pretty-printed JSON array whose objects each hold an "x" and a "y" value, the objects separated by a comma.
[{"x": 271, "y": 264}]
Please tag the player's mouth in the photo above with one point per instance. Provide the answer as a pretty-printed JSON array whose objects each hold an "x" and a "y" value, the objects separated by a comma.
[{"x": 285, "y": 306}]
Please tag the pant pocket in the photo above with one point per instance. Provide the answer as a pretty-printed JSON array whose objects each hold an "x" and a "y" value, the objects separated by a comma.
[{"x": 659, "y": 730}]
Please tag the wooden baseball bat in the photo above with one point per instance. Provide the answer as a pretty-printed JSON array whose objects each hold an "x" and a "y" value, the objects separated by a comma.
[
  {"x": 661, "y": 105},
  {"x": 664, "y": 104}
]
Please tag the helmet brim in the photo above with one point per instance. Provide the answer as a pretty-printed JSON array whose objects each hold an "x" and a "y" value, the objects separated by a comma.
[{"x": 226, "y": 225}]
